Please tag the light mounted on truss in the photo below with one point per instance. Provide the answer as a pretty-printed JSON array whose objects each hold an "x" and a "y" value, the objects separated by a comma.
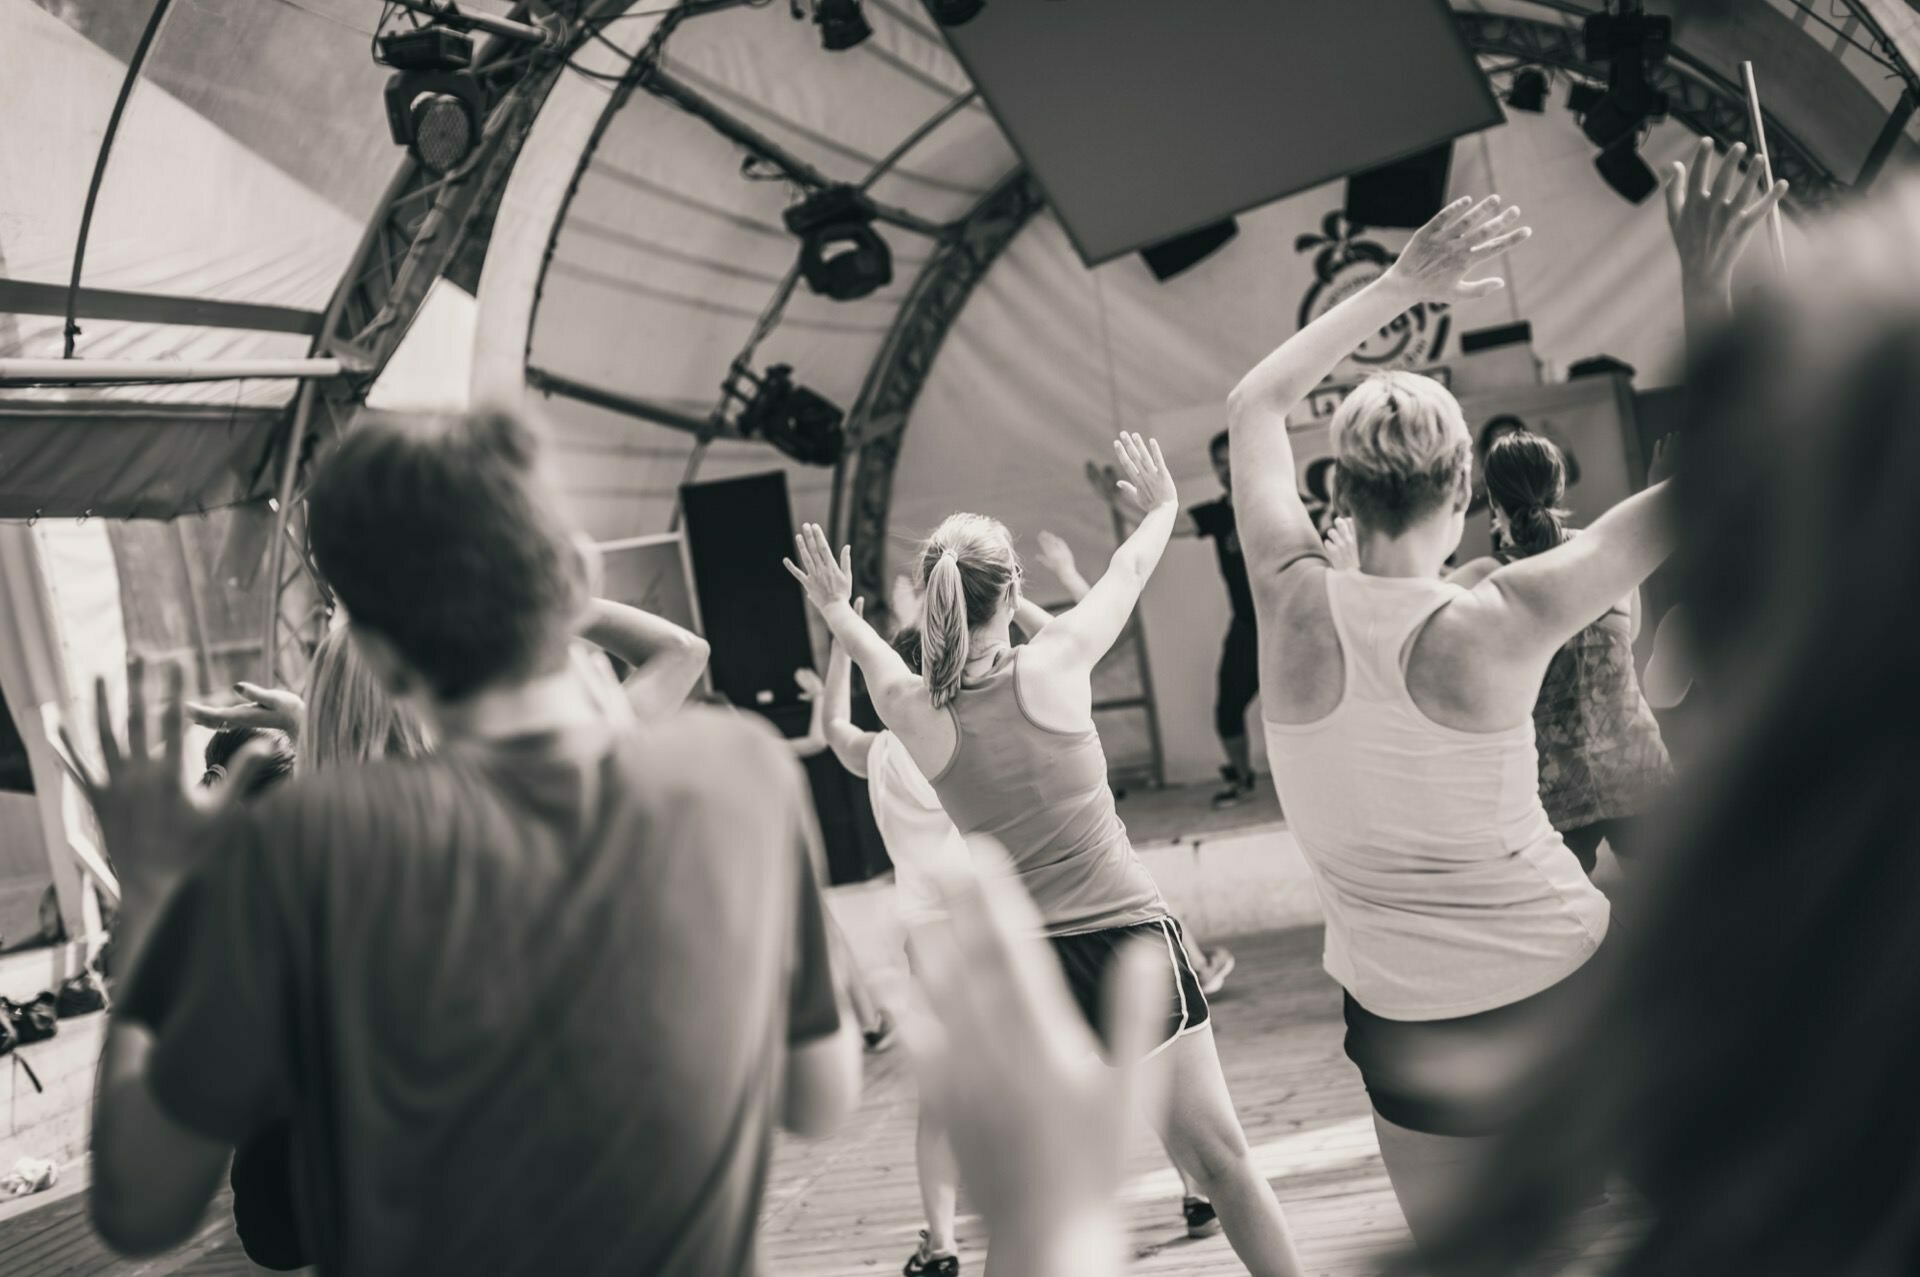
[
  {"x": 841, "y": 255},
  {"x": 435, "y": 106},
  {"x": 1633, "y": 45},
  {"x": 797, "y": 421}
]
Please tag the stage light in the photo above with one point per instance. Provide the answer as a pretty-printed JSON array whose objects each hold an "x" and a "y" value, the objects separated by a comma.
[
  {"x": 843, "y": 24},
  {"x": 1632, "y": 45},
  {"x": 1528, "y": 92},
  {"x": 435, "y": 107},
  {"x": 841, "y": 255},
  {"x": 955, "y": 13},
  {"x": 1626, "y": 172},
  {"x": 795, "y": 420}
]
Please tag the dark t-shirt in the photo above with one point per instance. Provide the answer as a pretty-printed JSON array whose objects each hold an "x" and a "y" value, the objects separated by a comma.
[
  {"x": 526, "y": 1005},
  {"x": 1215, "y": 519}
]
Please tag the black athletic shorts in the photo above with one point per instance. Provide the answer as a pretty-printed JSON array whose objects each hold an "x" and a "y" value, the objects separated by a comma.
[
  {"x": 1239, "y": 679},
  {"x": 1461, "y": 1076},
  {"x": 1085, "y": 958}
]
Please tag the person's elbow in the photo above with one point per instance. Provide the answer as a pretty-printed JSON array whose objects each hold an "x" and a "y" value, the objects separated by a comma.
[
  {"x": 693, "y": 651},
  {"x": 823, "y": 1083},
  {"x": 135, "y": 1221}
]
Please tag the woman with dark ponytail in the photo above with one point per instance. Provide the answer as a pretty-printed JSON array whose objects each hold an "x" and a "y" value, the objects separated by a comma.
[
  {"x": 1007, "y": 740},
  {"x": 1602, "y": 760}
]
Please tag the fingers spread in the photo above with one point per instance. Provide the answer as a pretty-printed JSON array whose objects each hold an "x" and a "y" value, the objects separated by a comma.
[
  {"x": 797, "y": 574},
  {"x": 1676, "y": 191},
  {"x": 1480, "y": 287},
  {"x": 1499, "y": 243},
  {"x": 1703, "y": 168},
  {"x": 1764, "y": 205},
  {"x": 1725, "y": 183}
]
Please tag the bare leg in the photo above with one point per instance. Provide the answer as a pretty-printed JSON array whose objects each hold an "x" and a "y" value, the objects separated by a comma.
[
  {"x": 939, "y": 1184},
  {"x": 1431, "y": 1173},
  {"x": 1203, "y": 1135},
  {"x": 866, "y": 1008}
]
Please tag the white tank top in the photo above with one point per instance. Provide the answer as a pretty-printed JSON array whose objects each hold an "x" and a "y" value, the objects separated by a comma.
[
  {"x": 915, "y": 827},
  {"x": 1445, "y": 888}
]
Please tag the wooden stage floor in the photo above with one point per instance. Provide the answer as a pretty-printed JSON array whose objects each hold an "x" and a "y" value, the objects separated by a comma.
[{"x": 849, "y": 1206}]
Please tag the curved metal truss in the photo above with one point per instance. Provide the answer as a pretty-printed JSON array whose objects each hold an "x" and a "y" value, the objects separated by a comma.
[
  {"x": 1697, "y": 96},
  {"x": 426, "y": 227},
  {"x": 900, "y": 370}
]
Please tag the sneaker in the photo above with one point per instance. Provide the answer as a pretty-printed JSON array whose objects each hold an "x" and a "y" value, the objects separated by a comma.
[
  {"x": 924, "y": 1263},
  {"x": 880, "y": 1037},
  {"x": 1201, "y": 1221},
  {"x": 1215, "y": 966},
  {"x": 1237, "y": 791}
]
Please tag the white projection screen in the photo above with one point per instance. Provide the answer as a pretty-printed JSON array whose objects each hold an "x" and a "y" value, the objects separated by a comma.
[{"x": 1145, "y": 119}]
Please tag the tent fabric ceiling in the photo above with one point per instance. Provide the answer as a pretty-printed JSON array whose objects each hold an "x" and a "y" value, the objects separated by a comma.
[{"x": 254, "y": 151}]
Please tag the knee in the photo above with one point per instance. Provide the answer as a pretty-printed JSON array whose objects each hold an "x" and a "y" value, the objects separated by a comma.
[{"x": 1214, "y": 1156}]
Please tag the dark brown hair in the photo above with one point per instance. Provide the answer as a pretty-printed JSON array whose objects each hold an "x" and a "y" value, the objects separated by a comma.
[
  {"x": 1527, "y": 479},
  {"x": 438, "y": 534}
]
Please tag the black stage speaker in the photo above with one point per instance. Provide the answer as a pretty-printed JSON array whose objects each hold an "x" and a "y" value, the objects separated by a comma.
[
  {"x": 1183, "y": 252},
  {"x": 1404, "y": 193},
  {"x": 755, "y": 618}
]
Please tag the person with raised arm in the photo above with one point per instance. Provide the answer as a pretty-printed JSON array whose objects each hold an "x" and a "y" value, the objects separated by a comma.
[
  {"x": 1399, "y": 715},
  {"x": 1006, "y": 738}
]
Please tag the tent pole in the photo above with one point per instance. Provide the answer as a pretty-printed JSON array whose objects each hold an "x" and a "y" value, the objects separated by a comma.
[
  {"x": 134, "y": 64},
  {"x": 283, "y": 511},
  {"x": 66, "y": 372}
]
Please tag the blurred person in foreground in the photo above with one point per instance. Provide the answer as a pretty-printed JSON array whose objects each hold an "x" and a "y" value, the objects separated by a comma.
[
  {"x": 1749, "y": 1066},
  {"x": 478, "y": 984}
]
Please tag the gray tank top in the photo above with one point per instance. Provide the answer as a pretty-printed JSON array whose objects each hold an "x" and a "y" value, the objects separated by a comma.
[{"x": 1044, "y": 796}]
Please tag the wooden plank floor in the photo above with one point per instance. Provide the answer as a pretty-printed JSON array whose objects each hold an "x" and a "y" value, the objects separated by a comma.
[{"x": 849, "y": 1206}]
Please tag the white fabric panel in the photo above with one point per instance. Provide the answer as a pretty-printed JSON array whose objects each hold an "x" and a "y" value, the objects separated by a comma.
[
  {"x": 432, "y": 369},
  {"x": 184, "y": 209}
]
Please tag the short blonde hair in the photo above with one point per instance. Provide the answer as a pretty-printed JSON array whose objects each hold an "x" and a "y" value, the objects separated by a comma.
[
  {"x": 1401, "y": 449},
  {"x": 350, "y": 717}
]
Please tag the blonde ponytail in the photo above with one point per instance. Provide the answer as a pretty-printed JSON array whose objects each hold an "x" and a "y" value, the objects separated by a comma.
[{"x": 944, "y": 630}]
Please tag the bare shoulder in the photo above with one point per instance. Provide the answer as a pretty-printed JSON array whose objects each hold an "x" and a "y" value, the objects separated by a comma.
[
  {"x": 1468, "y": 669},
  {"x": 1468, "y": 575}
]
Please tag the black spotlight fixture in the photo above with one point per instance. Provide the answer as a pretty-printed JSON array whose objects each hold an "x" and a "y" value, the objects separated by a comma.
[
  {"x": 1528, "y": 91},
  {"x": 841, "y": 255},
  {"x": 435, "y": 106},
  {"x": 843, "y": 24},
  {"x": 955, "y": 13},
  {"x": 797, "y": 421},
  {"x": 1633, "y": 45}
]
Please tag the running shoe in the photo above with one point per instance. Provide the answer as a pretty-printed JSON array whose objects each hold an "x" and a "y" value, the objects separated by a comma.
[
  {"x": 1201, "y": 1221},
  {"x": 924, "y": 1263},
  {"x": 1236, "y": 792},
  {"x": 1215, "y": 966},
  {"x": 880, "y": 1037}
]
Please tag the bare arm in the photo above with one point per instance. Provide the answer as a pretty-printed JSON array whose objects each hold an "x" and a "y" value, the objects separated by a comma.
[
  {"x": 1080, "y": 636},
  {"x": 1539, "y": 603},
  {"x": 667, "y": 659},
  {"x": 1275, "y": 528},
  {"x": 850, "y": 744},
  {"x": 1057, "y": 557},
  {"x": 816, "y": 738},
  {"x": 152, "y": 1177},
  {"x": 828, "y": 582},
  {"x": 1471, "y": 574}
]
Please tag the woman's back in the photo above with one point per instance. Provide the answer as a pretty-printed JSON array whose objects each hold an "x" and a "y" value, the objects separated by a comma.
[
  {"x": 1601, "y": 753},
  {"x": 1044, "y": 796},
  {"x": 1446, "y": 890}
]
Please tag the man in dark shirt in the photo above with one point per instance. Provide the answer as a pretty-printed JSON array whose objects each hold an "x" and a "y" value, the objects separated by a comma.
[
  {"x": 1239, "y": 677},
  {"x": 479, "y": 986}
]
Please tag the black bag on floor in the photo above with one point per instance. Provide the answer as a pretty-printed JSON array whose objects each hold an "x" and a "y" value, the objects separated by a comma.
[
  {"x": 35, "y": 1021},
  {"x": 81, "y": 995}
]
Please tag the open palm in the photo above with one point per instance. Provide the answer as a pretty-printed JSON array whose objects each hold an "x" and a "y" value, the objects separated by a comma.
[{"x": 1460, "y": 240}]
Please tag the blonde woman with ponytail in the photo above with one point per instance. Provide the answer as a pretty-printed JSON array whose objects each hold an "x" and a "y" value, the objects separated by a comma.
[{"x": 1006, "y": 738}]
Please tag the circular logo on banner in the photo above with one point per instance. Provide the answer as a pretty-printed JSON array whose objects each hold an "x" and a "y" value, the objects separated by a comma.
[{"x": 1343, "y": 264}]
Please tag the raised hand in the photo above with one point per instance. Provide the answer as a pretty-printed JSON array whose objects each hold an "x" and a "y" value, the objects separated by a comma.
[
  {"x": 826, "y": 579},
  {"x": 1145, "y": 477},
  {"x": 1105, "y": 480},
  {"x": 1461, "y": 238},
  {"x": 153, "y": 831},
  {"x": 1343, "y": 546},
  {"x": 1055, "y": 555},
  {"x": 264, "y": 707},
  {"x": 810, "y": 684},
  {"x": 1712, "y": 213},
  {"x": 1039, "y": 1124},
  {"x": 1665, "y": 452}
]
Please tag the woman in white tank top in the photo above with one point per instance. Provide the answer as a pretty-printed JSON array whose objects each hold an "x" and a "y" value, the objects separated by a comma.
[{"x": 1399, "y": 710}]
